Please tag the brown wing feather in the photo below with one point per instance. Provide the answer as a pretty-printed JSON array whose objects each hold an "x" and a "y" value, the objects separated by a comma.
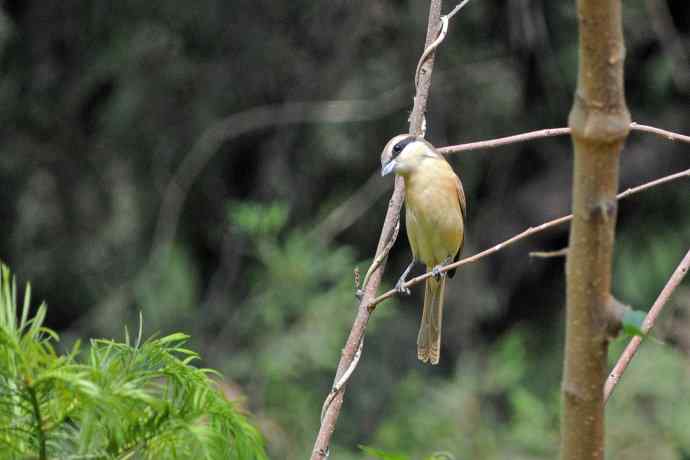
[{"x": 463, "y": 209}]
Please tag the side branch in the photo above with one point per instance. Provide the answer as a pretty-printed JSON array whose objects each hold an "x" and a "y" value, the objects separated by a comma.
[
  {"x": 647, "y": 325},
  {"x": 520, "y": 236},
  {"x": 552, "y": 132}
]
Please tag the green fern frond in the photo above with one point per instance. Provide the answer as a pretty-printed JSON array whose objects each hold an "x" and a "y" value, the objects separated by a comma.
[{"x": 115, "y": 401}]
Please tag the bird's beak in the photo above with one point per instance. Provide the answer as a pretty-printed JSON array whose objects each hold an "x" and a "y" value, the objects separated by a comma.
[{"x": 388, "y": 168}]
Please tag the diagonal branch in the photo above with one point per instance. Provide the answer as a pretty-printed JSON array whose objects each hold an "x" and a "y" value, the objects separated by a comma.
[
  {"x": 350, "y": 355},
  {"x": 647, "y": 325},
  {"x": 520, "y": 236}
]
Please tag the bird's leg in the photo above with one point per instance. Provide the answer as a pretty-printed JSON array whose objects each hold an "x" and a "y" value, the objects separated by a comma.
[
  {"x": 436, "y": 271},
  {"x": 399, "y": 286}
]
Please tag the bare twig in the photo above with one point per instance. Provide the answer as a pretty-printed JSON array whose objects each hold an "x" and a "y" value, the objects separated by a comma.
[
  {"x": 380, "y": 258},
  {"x": 549, "y": 254},
  {"x": 669, "y": 135},
  {"x": 457, "y": 8},
  {"x": 551, "y": 132},
  {"x": 520, "y": 236},
  {"x": 353, "y": 347},
  {"x": 432, "y": 47},
  {"x": 493, "y": 143},
  {"x": 629, "y": 352}
]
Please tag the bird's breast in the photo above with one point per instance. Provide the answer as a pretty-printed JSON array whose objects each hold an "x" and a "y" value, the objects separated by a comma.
[{"x": 433, "y": 216}]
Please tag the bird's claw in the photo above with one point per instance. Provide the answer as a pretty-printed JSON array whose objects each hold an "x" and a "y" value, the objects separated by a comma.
[
  {"x": 359, "y": 294},
  {"x": 436, "y": 272},
  {"x": 400, "y": 287}
]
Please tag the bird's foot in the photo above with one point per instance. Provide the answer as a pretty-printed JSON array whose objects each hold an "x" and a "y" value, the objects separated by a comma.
[
  {"x": 359, "y": 294},
  {"x": 436, "y": 271},
  {"x": 400, "y": 287}
]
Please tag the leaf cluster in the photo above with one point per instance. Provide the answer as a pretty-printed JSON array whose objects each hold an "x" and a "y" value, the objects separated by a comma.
[{"x": 116, "y": 400}]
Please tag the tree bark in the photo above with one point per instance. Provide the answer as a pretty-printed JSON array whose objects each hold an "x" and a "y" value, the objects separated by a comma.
[
  {"x": 599, "y": 122},
  {"x": 392, "y": 219}
]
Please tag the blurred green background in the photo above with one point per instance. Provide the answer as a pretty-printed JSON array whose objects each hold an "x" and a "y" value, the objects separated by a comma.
[{"x": 165, "y": 157}]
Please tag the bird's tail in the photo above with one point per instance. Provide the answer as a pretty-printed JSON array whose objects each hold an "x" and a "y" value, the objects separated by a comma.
[{"x": 429, "y": 338}]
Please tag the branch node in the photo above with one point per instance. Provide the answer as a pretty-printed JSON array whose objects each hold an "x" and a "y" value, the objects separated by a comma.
[
  {"x": 575, "y": 393},
  {"x": 596, "y": 121},
  {"x": 605, "y": 209},
  {"x": 615, "y": 311}
]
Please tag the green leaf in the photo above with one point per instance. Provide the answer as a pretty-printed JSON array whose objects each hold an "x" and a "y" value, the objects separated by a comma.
[{"x": 632, "y": 322}]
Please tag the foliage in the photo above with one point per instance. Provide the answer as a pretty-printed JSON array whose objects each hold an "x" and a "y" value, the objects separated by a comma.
[
  {"x": 135, "y": 399},
  {"x": 103, "y": 102},
  {"x": 499, "y": 409},
  {"x": 632, "y": 322},
  {"x": 382, "y": 455}
]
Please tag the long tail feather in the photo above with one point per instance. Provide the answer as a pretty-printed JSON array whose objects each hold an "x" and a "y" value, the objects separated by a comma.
[{"x": 429, "y": 337}]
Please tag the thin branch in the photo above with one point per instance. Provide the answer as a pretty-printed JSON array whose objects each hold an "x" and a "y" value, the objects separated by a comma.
[
  {"x": 549, "y": 254},
  {"x": 457, "y": 8},
  {"x": 663, "y": 298},
  {"x": 551, "y": 132},
  {"x": 353, "y": 347},
  {"x": 520, "y": 236},
  {"x": 669, "y": 135},
  {"x": 432, "y": 47},
  {"x": 493, "y": 143}
]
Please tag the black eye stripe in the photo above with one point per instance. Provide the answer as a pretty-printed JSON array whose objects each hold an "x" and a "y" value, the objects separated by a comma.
[{"x": 397, "y": 148}]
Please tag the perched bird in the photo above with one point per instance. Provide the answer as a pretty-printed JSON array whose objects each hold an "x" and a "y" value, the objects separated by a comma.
[{"x": 434, "y": 217}]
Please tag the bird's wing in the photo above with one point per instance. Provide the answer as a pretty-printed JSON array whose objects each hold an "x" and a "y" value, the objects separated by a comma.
[
  {"x": 463, "y": 211},
  {"x": 461, "y": 197}
]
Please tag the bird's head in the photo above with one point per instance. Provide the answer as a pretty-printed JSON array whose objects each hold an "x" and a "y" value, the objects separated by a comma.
[{"x": 404, "y": 153}]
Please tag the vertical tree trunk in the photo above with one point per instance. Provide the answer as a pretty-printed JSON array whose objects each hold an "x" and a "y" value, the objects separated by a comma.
[{"x": 600, "y": 121}]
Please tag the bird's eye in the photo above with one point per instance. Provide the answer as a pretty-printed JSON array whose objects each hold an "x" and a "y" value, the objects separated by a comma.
[{"x": 397, "y": 148}]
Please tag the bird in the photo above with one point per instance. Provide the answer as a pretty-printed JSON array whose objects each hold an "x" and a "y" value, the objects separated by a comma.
[{"x": 435, "y": 210}]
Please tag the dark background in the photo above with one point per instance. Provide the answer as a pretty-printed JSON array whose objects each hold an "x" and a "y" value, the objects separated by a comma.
[{"x": 174, "y": 158}]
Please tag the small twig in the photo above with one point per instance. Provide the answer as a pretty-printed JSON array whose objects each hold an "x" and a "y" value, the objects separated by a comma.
[
  {"x": 529, "y": 232},
  {"x": 669, "y": 135},
  {"x": 549, "y": 254},
  {"x": 457, "y": 8},
  {"x": 493, "y": 143},
  {"x": 647, "y": 325},
  {"x": 337, "y": 386},
  {"x": 380, "y": 257},
  {"x": 615, "y": 312},
  {"x": 427, "y": 52},
  {"x": 551, "y": 132},
  {"x": 432, "y": 47}
]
